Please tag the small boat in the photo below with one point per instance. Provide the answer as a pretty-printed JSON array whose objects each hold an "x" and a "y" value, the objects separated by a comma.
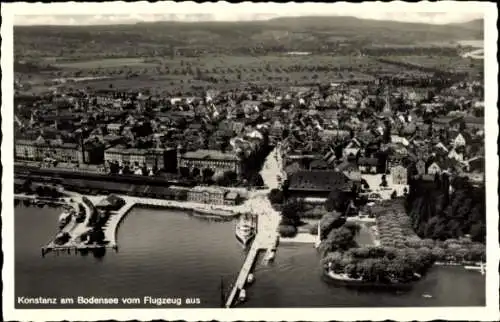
[
  {"x": 251, "y": 278},
  {"x": 427, "y": 296},
  {"x": 270, "y": 256},
  {"x": 245, "y": 231},
  {"x": 242, "y": 296},
  {"x": 39, "y": 203}
]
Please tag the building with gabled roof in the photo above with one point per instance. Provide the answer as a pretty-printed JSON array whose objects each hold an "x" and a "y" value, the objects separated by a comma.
[{"x": 317, "y": 183}]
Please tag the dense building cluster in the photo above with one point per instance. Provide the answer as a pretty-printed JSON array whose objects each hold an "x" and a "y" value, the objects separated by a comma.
[{"x": 355, "y": 130}]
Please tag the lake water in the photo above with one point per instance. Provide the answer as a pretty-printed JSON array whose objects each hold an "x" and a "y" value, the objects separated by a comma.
[
  {"x": 165, "y": 253},
  {"x": 472, "y": 43}
]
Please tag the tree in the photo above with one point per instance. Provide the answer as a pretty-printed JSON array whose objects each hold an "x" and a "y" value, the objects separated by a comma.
[
  {"x": 114, "y": 168},
  {"x": 438, "y": 253},
  {"x": 184, "y": 171},
  {"x": 196, "y": 172},
  {"x": 286, "y": 230},
  {"x": 387, "y": 132},
  {"x": 478, "y": 232},
  {"x": 394, "y": 194},
  {"x": 126, "y": 170},
  {"x": 365, "y": 184},
  {"x": 329, "y": 222},
  {"x": 256, "y": 180},
  {"x": 218, "y": 175},
  {"x": 228, "y": 178},
  {"x": 276, "y": 196},
  {"x": 340, "y": 239},
  {"x": 337, "y": 200},
  {"x": 384, "y": 181},
  {"x": 292, "y": 210},
  {"x": 207, "y": 174}
]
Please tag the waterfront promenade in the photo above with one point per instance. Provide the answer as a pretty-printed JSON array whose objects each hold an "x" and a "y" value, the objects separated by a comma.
[
  {"x": 111, "y": 227},
  {"x": 257, "y": 203}
]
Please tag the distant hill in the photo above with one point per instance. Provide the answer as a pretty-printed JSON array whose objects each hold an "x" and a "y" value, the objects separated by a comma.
[
  {"x": 277, "y": 34},
  {"x": 477, "y": 24}
]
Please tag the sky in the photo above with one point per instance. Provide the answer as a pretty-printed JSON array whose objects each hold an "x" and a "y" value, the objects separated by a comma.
[{"x": 109, "y": 13}]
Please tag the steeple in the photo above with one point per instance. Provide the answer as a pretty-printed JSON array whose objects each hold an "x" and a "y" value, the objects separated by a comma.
[
  {"x": 32, "y": 119},
  {"x": 387, "y": 107}
]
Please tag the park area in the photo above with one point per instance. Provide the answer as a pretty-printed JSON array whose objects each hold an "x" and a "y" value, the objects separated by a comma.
[{"x": 396, "y": 231}]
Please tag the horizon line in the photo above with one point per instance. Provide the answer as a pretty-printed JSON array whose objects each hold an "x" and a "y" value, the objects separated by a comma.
[{"x": 209, "y": 18}]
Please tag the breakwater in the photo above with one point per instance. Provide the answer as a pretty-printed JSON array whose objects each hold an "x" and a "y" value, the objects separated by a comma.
[{"x": 110, "y": 229}]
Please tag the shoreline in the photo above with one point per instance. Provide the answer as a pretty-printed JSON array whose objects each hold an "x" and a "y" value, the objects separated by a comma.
[
  {"x": 196, "y": 212},
  {"x": 342, "y": 280},
  {"x": 463, "y": 264},
  {"x": 204, "y": 211}
]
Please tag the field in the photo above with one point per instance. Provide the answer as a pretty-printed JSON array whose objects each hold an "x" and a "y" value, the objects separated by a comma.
[
  {"x": 159, "y": 74},
  {"x": 451, "y": 64},
  {"x": 103, "y": 63},
  {"x": 185, "y": 74},
  {"x": 471, "y": 43}
]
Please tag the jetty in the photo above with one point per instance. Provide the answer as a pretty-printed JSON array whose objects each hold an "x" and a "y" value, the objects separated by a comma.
[
  {"x": 73, "y": 228},
  {"x": 266, "y": 240},
  {"x": 110, "y": 229},
  {"x": 267, "y": 237}
]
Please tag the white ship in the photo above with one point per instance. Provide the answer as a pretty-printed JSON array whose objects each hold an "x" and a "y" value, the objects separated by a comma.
[{"x": 245, "y": 229}]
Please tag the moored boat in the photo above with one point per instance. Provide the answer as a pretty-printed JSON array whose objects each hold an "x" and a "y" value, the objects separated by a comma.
[
  {"x": 359, "y": 283},
  {"x": 242, "y": 296},
  {"x": 245, "y": 230},
  {"x": 251, "y": 278},
  {"x": 270, "y": 256},
  {"x": 40, "y": 203}
]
